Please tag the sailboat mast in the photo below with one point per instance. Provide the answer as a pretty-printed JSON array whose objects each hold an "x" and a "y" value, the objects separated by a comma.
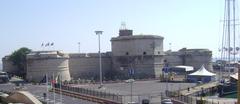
[
  {"x": 234, "y": 34},
  {"x": 228, "y": 32}
]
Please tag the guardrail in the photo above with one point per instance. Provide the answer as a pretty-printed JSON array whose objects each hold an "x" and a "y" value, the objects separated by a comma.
[
  {"x": 92, "y": 94},
  {"x": 85, "y": 96}
]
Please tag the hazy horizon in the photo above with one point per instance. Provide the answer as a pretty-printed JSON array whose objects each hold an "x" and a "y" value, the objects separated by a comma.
[{"x": 190, "y": 24}]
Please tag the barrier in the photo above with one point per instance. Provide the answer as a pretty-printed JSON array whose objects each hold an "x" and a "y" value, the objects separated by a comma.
[
  {"x": 106, "y": 96},
  {"x": 85, "y": 96}
]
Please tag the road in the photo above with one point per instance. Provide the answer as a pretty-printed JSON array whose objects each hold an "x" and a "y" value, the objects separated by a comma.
[
  {"x": 151, "y": 90},
  {"x": 38, "y": 90}
]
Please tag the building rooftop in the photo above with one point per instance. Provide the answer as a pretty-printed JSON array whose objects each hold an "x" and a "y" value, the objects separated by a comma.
[{"x": 136, "y": 37}]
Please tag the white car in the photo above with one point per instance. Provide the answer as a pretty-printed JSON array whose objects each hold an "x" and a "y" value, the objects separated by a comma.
[
  {"x": 132, "y": 103},
  {"x": 166, "y": 101},
  {"x": 129, "y": 80}
]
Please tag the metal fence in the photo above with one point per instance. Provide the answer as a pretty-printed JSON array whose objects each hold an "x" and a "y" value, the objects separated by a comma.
[
  {"x": 197, "y": 100},
  {"x": 190, "y": 99},
  {"x": 153, "y": 98},
  {"x": 92, "y": 92}
]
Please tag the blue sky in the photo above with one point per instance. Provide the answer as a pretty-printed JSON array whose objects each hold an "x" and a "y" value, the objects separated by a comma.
[{"x": 183, "y": 23}]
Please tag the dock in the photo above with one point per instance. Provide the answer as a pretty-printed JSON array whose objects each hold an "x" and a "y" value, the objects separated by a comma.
[{"x": 199, "y": 88}]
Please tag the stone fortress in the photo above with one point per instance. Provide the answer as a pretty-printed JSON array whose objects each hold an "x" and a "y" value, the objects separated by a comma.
[
  {"x": 141, "y": 55},
  {"x": 42, "y": 62}
]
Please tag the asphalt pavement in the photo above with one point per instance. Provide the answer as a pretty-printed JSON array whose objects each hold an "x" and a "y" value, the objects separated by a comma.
[
  {"x": 152, "y": 90},
  {"x": 39, "y": 90}
]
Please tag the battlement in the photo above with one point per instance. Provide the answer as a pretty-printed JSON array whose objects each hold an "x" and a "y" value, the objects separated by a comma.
[
  {"x": 46, "y": 54},
  {"x": 84, "y": 55},
  {"x": 189, "y": 52}
]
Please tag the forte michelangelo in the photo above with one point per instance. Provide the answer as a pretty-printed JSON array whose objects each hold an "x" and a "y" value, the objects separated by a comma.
[{"x": 142, "y": 55}]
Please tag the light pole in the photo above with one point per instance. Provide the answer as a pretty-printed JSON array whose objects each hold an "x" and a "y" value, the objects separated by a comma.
[
  {"x": 79, "y": 47},
  {"x": 100, "y": 58}
]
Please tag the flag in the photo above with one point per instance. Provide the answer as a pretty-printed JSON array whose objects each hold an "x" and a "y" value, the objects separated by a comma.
[{"x": 47, "y": 44}]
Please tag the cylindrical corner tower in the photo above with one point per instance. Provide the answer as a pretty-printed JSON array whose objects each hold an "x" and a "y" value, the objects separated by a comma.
[{"x": 42, "y": 63}]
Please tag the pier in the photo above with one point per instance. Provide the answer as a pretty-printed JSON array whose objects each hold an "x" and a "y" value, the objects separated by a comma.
[{"x": 198, "y": 89}]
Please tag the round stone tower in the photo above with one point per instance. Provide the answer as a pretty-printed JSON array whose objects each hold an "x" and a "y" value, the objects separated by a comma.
[{"x": 47, "y": 63}]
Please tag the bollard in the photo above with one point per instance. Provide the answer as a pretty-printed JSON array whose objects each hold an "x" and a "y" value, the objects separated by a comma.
[
  {"x": 191, "y": 100},
  {"x": 113, "y": 95},
  {"x": 117, "y": 97}
]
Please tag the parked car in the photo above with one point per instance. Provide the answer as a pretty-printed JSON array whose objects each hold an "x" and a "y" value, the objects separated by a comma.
[
  {"x": 132, "y": 103},
  {"x": 129, "y": 80},
  {"x": 4, "y": 77},
  {"x": 166, "y": 101}
]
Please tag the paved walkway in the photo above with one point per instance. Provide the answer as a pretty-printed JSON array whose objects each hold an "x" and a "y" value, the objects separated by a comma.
[
  {"x": 198, "y": 88},
  {"x": 222, "y": 100},
  {"x": 213, "y": 100}
]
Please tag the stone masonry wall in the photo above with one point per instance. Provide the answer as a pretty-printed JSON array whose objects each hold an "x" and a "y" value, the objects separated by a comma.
[{"x": 86, "y": 66}]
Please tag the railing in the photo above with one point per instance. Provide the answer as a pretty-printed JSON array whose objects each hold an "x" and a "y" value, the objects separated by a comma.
[
  {"x": 92, "y": 92},
  {"x": 190, "y": 99}
]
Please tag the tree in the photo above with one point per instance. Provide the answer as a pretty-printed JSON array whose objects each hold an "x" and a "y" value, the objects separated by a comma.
[{"x": 18, "y": 58}]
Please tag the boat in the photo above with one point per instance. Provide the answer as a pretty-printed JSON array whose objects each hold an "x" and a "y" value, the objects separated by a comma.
[
  {"x": 229, "y": 49},
  {"x": 228, "y": 87}
]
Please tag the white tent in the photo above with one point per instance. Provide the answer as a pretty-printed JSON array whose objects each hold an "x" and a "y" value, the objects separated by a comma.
[
  {"x": 235, "y": 76},
  {"x": 202, "y": 72},
  {"x": 187, "y": 68}
]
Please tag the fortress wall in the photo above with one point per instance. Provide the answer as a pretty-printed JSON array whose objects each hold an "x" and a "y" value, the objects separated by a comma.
[
  {"x": 147, "y": 66},
  {"x": 87, "y": 67},
  {"x": 190, "y": 57},
  {"x": 8, "y": 66},
  {"x": 158, "y": 65},
  {"x": 137, "y": 45},
  {"x": 137, "y": 52},
  {"x": 198, "y": 60},
  {"x": 40, "y": 65},
  {"x": 173, "y": 59}
]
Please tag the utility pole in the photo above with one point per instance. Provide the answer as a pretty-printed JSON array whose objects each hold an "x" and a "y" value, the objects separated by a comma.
[
  {"x": 79, "y": 47},
  {"x": 99, "y": 33}
]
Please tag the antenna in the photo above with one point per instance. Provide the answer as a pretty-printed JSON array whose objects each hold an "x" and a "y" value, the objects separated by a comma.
[{"x": 123, "y": 26}]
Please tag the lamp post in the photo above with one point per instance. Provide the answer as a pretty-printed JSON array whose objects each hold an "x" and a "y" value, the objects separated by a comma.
[
  {"x": 100, "y": 58},
  {"x": 166, "y": 75},
  {"x": 79, "y": 47}
]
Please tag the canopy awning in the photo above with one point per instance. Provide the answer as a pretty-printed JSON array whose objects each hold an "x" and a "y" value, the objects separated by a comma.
[
  {"x": 202, "y": 72},
  {"x": 234, "y": 76}
]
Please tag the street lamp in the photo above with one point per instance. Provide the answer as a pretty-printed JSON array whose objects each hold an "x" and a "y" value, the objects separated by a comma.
[
  {"x": 100, "y": 58},
  {"x": 79, "y": 47}
]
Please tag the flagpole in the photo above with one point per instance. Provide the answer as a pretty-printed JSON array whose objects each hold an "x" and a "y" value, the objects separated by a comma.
[
  {"x": 41, "y": 48},
  {"x": 47, "y": 87},
  {"x": 53, "y": 87},
  {"x": 61, "y": 88}
]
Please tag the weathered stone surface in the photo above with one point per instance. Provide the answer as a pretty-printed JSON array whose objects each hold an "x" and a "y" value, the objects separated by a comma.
[
  {"x": 86, "y": 66},
  {"x": 47, "y": 62}
]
